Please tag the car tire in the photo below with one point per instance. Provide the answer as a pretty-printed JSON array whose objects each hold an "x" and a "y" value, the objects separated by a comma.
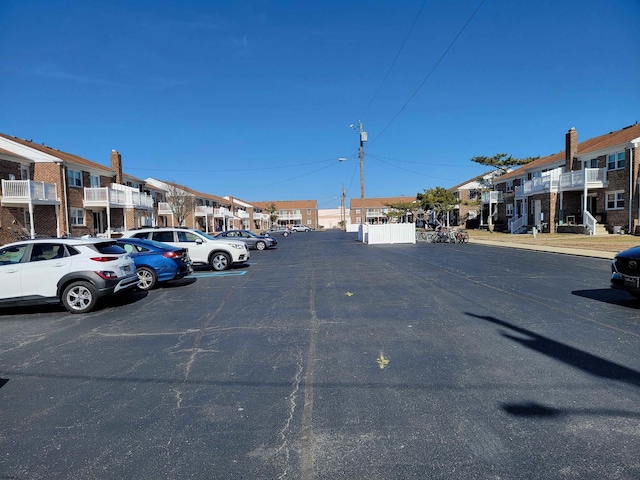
[
  {"x": 285, "y": 234},
  {"x": 261, "y": 245},
  {"x": 220, "y": 261},
  {"x": 147, "y": 277},
  {"x": 79, "y": 297}
]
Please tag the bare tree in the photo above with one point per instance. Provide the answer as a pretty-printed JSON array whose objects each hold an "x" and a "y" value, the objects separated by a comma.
[{"x": 181, "y": 203}]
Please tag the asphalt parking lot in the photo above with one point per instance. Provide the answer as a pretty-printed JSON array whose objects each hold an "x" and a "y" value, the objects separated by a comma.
[{"x": 326, "y": 358}]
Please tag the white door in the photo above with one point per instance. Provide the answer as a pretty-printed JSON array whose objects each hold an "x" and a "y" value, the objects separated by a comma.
[
  {"x": 10, "y": 270},
  {"x": 46, "y": 267}
]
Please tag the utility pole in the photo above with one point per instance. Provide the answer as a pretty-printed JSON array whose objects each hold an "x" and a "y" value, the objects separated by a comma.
[
  {"x": 342, "y": 209},
  {"x": 363, "y": 138}
]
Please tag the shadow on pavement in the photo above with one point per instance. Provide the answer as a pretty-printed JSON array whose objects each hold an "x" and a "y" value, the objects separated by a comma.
[
  {"x": 609, "y": 295},
  {"x": 562, "y": 352}
]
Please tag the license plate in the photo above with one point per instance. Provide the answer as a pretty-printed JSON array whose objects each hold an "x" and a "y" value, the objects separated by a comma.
[{"x": 631, "y": 282}]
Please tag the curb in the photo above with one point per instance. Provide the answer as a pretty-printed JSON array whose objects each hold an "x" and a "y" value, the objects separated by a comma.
[{"x": 544, "y": 248}]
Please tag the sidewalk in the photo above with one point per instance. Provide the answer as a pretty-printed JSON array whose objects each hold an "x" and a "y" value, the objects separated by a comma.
[{"x": 546, "y": 248}]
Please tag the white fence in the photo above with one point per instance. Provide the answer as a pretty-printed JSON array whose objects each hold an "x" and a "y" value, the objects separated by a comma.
[{"x": 387, "y": 233}]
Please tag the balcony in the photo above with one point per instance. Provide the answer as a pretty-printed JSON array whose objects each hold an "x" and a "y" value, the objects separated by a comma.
[
  {"x": 116, "y": 197},
  {"x": 204, "y": 211},
  {"x": 289, "y": 216},
  {"x": 519, "y": 192},
  {"x": 575, "y": 180},
  {"x": 25, "y": 192},
  {"x": 164, "y": 209},
  {"x": 222, "y": 212},
  {"x": 492, "y": 197},
  {"x": 242, "y": 214}
]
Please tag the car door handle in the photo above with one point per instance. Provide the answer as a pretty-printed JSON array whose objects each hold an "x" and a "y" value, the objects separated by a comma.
[{"x": 12, "y": 271}]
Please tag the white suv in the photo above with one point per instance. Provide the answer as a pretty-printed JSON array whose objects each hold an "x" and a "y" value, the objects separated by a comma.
[
  {"x": 72, "y": 271},
  {"x": 300, "y": 228},
  {"x": 203, "y": 248}
]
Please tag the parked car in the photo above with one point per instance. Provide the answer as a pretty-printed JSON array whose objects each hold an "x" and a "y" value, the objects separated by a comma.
[
  {"x": 156, "y": 262},
  {"x": 219, "y": 254},
  {"x": 625, "y": 271},
  {"x": 253, "y": 240},
  {"x": 282, "y": 231},
  {"x": 301, "y": 228},
  {"x": 75, "y": 272}
]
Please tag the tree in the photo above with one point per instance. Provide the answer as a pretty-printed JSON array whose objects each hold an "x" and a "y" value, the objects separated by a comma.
[
  {"x": 401, "y": 209},
  {"x": 502, "y": 163},
  {"x": 180, "y": 202},
  {"x": 438, "y": 200},
  {"x": 273, "y": 213}
]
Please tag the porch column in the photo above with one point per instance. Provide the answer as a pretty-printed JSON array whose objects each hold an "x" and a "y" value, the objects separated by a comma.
[
  {"x": 109, "y": 220},
  {"x": 33, "y": 228},
  {"x": 584, "y": 196},
  {"x": 57, "y": 210}
]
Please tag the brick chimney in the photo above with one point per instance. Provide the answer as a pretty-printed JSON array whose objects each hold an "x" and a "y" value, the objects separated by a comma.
[
  {"x": 571, "y": 148},
  {"x": 116, "y": 165}
]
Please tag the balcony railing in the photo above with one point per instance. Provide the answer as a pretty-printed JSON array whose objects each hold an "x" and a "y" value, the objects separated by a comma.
[
  {"x": 28, "y": 191},
  {"x": 492, "y": 197},
  {"x": 574, "y": 180},
  {"x": 204, "y": 211},
  {"x": 222, "y": 212},
  {"x": 164, "y": 209},
  {"x": 289, "y": 216},
  {"x": 519, "y": 192},
  {"x": 242, "y": 214},
  {"x": 107, "y": 196}
]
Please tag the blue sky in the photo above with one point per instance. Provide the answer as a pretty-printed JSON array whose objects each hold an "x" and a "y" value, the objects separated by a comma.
[{"x": 254, "y": 99}]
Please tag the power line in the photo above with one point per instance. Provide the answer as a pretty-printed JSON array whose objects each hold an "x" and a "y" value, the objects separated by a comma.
[
  {"x": 430, "y": 73},
  {"x": 395, "y": 59}
]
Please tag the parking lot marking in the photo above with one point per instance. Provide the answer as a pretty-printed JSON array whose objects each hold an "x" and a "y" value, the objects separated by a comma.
[
  {"x": 216, "y": 274},
  {"x": 382, "y": 361}
]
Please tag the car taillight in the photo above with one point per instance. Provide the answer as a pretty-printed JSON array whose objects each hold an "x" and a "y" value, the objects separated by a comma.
[
  {"x": 104, "y": 259},
  {"x": 106, "y": 274},
  {"x": 170, "y": 254}
]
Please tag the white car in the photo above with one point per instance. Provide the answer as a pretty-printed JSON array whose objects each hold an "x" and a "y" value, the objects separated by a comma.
[
  {"x": 220, "y": 254},
  {"x": 72, "y": 271},
  {"x": 300, "y": 228}
]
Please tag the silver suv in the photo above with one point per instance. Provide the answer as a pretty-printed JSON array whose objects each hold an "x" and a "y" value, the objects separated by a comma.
[{"x": 203, "y": 248}]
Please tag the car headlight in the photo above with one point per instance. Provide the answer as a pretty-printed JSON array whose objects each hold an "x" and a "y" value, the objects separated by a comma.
[{"x": 239, "y": 247}]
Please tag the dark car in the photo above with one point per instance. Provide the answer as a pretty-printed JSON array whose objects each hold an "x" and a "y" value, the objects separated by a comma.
[
  {"x": 156, "y": 262},
  {"x": 625, "y": 271},
  {"x": 253, "y": 240}
]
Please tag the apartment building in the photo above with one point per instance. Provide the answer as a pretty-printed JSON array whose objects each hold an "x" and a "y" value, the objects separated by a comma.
[
  {"x": 376, "y": 210},
  {"x": 468, "y": 213},
  {"x": 49, "y": 192},
  {"x": 290, "y": 212},
  {"x": 590, "y": 187}
]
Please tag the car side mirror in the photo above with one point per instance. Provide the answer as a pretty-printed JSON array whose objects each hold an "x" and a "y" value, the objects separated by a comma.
[{"x": 199, "y": 241}]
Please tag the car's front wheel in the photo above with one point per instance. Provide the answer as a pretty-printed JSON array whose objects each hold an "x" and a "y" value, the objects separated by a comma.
[
  {"x": 285, "y": 234},
  {"x": 79, "y": 297},
  {"x": 147, "y": 277},
  {"x": 261, "y": 245},
  {"x": 220, "y": 261}
]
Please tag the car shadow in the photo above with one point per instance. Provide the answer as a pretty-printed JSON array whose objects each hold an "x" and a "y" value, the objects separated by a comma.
[
  {"x": 609, "y": 295},
  {"x": 126, "y": 298},
  {"x": 540, "y": 411},
  {"x": 181, "y": 282},
  {"x": 31, "y": 309}
]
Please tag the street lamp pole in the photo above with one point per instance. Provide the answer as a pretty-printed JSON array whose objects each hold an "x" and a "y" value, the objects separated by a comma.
[{"x": 363, "y": 138}]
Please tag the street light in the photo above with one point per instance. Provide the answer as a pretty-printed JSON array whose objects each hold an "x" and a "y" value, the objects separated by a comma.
[{"x": 363, "y": 138}]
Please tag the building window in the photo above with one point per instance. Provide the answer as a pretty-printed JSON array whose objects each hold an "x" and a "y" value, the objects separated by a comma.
[
  {"x": 77, "y": 216},
  {"x": 308, "y": 211},
  {"x": 473, "y": 214},
  {"x": 615, "y": 200},
  {"x": 509, "y": 185},
  {"x": 616, "y": 161},
  {"x": 74, "y": 177},
  {"x": 95, "y": 181},
  {"x": 509, "y": 209},
  {"x": 357, "y": 211}
]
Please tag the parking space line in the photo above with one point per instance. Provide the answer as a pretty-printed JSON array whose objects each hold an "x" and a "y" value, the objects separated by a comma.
[{"x": 216, "y": 274}]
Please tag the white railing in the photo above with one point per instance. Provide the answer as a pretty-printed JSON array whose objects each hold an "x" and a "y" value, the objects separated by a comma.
[
  {"x": 222, "y": 212},
  {"x": 492, "y": 197},
  {"x": 595, "y": 177},
  {"x": 519, "y": 192},
  {"x": 589, "y": 222},
  {"x": 104, "y": 196},
  {"x": 164, "y": 209},
  {"x": 203, "y": 210},
  {"x": 29, "y": 190},
  {"x": 289, "y": 216},
  {"x": 516, "y": 224},
  {"x": 242, "y": 214}
]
